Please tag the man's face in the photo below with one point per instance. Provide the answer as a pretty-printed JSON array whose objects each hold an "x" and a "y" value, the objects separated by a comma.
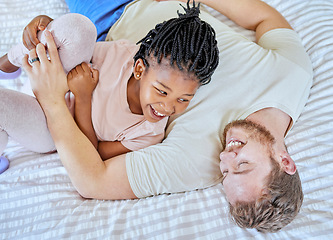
[{"x": 245, "y": 160}]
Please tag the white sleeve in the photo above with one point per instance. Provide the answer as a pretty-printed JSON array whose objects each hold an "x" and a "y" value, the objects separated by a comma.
[{"x": 287, "y": 43}]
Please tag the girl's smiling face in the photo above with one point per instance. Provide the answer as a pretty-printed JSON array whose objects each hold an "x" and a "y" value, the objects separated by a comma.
[{"x": 164, "y": 90}]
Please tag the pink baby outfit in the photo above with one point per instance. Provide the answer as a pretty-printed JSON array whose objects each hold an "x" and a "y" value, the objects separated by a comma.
[{"x": 111, "y": 116}]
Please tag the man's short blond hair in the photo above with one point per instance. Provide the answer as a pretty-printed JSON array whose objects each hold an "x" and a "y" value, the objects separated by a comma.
[{"x": 278, "y": 206}]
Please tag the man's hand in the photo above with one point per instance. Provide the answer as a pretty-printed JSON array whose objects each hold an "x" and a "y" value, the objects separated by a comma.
[
  {"x": 37, "y": 24},
  {"x": 47, "y": 77},
  {"x": 82, "y": 80}
]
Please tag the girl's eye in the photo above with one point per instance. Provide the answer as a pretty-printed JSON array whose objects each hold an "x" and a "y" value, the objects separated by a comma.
[
  {"x": 161, "y": 91},
  {"x": 182, "y": 100}
]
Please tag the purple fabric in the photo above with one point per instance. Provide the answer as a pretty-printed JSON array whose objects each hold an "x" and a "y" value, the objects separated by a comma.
[
  {"x": 13, "y": 75},
  {"x": 4, "y": 164}
]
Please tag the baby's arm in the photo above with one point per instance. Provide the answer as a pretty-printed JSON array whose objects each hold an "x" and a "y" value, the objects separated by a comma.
[{"x": 82, "y": 81}]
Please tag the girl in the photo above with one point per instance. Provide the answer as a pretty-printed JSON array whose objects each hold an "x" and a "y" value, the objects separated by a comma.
[{"x": 138, "y": 88}]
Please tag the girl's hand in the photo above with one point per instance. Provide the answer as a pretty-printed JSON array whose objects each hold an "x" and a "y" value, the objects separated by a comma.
[
  {"x": 82, "y": 80},
  {"x": 37, "y": 24}
]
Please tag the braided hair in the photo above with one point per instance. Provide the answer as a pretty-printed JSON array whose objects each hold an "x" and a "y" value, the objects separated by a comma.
[{"x": 187, "y": 41}]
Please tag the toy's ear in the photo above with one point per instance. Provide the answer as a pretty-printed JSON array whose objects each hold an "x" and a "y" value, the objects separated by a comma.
[
  {"x": 287, "y": 164},
  {"x": 139, "y": 68}
]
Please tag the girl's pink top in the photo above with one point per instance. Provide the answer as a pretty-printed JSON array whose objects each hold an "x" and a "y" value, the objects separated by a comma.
[{"x": 111, "y": 115}]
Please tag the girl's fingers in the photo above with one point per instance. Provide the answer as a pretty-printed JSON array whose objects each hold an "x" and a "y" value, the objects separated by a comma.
[
  {"x": 78, "y": 69},
  {"x": 69, "y": 75},
  {"x": 85, "y": 67},
  {"x": 32, "y": 36},
  {"x": 95, "y": 75},
  {"x": 29, "y": 40},
  {"x": 42, "y": 25}
]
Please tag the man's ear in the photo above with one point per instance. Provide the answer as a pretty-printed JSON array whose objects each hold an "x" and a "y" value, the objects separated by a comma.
[
  {"x": 139, "y": 68},
  {"x": 287, "y": 164}
]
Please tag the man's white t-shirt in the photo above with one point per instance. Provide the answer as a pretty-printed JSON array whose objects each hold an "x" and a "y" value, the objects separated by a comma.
[{"x": 276, "y": 72}]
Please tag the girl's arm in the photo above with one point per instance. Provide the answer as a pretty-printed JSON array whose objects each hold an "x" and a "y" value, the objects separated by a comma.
[
  {"x": 250, "y": 14},
  {"x": 82, "y": 117},
  {"x": 107, "y": 149},
  {"x": 82, "y": 81}
]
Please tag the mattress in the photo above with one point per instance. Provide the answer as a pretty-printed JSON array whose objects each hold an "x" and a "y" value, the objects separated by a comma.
[{"x": 38, "y": 201}]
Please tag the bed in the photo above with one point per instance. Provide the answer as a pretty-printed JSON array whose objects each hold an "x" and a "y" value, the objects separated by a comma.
[{"x": 38, "y": 201}]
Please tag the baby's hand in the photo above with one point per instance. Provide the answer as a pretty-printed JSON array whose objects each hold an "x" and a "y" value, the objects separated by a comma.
[{"x": 82, "y": 80}]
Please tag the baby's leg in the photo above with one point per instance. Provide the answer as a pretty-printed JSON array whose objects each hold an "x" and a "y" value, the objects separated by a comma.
[
  {"x": 75, "y": 37},
  {"x": 22, "y": 118}
]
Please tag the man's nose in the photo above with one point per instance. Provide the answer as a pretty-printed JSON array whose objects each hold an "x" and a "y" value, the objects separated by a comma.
[
  {"x": 227, "y": 160},
  {"x": 226, "y": 156}
]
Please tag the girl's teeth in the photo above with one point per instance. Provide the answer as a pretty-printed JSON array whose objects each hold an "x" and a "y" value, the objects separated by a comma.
[{"x": 158, "y": 114}]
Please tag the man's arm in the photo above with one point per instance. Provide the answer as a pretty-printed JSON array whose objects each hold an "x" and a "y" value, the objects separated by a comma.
[
  {"x": 250, "y": 14},
  {"x": 92, "y": 177}
]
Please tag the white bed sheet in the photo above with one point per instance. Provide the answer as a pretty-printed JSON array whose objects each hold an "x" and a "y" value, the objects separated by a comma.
[{"x": 38, "y": 201}]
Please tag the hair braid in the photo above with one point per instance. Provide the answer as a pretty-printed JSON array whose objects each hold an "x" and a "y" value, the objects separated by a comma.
[{"x": 187, "y": 42}]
